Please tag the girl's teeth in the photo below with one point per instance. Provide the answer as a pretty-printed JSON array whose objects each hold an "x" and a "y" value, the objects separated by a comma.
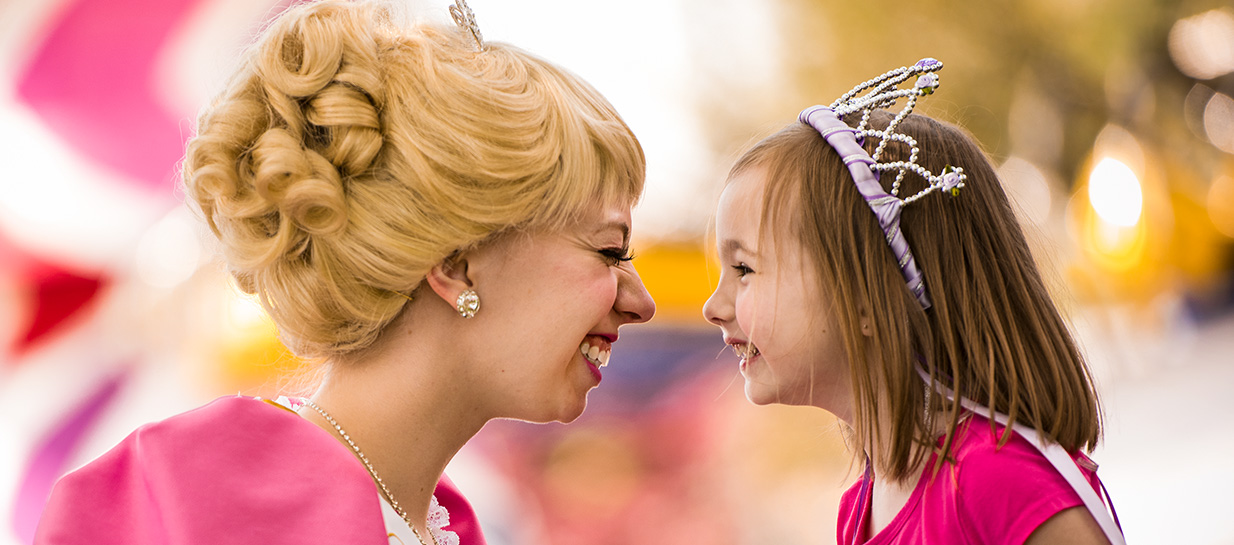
[{"x": 746, "y": 351}]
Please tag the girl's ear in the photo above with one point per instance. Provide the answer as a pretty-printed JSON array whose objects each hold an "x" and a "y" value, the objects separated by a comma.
[
  {"x": 866, "y": 328},
  {"x": 449, "y": 278}
]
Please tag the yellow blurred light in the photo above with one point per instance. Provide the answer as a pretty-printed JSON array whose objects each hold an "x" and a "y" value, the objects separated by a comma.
[
  {"x": 1114, "y": 192},
  {"x": 1220, "y": 204},
  {"x": 1202, "y": 46},
  {"x": 1113, "y": 248},
  {"x": 250, "y": 353},
  {"x": 244, "y": 313},
  {"x": 678, "y": 278},
  {"x": 1122, "y": 219},
  {"x": 1117, "y": 142},
  {"x": 1219, "y": 121}
]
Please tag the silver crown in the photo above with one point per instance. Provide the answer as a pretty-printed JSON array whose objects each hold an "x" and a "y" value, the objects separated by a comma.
[{"x": 466, "y": 19}]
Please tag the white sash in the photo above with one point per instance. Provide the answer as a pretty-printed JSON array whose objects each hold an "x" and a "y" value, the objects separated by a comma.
[{"x": 1057, "y": 456}]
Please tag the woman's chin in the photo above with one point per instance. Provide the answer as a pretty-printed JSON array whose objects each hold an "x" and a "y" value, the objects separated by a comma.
[
  {"x": 562, "y": 417},
  {"x": 566, "y": 419},
  {"x": 565, "y": 414}
]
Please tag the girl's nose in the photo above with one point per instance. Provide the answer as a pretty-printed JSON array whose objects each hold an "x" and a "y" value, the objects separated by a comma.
[{"x": 718, "y": 309}]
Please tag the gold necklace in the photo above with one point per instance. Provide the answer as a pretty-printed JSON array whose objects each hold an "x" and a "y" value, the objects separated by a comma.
[{"x": 373, "y": 473}]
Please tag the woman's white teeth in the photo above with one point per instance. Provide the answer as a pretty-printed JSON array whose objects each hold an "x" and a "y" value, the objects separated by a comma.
[{"x": 595, "y": 354}]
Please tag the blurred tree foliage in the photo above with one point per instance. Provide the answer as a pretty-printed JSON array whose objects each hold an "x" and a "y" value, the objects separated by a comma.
[
  {"x": 1095, "y": 61},
  {"x": 1037, "y": 79}
]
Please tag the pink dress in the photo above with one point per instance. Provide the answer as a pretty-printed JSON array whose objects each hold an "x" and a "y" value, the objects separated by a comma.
[
  {"x": 984, "y": 495},
  {"x": 238, "y": 470}
]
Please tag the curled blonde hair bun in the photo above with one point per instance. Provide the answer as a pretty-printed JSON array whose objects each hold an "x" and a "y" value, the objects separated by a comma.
[{"x": 349, "y": 154}]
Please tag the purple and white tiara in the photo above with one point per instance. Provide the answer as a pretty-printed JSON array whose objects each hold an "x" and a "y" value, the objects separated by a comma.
[{"x": 884, "y": 91}]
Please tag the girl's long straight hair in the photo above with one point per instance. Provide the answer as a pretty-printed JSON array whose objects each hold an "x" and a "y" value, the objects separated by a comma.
[{"x": 993, "y": 333}]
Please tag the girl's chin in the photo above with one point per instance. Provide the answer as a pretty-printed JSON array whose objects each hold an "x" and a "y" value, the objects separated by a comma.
[{"x": 760, "y": 395}]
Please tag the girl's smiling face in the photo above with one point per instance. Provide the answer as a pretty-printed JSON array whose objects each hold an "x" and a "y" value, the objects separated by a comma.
[{"x": 771, "y": 308}]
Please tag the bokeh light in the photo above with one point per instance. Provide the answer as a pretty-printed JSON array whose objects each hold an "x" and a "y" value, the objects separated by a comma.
[
  {"x": 1219, "y": 122},
  {"x": 1202, "y": 46},
  {"x": 1193, "y": 108},
  {"x": 1114, "y": 192}
]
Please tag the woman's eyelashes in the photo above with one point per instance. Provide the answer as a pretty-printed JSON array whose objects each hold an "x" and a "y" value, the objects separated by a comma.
[{"x": 617, "y": 256}]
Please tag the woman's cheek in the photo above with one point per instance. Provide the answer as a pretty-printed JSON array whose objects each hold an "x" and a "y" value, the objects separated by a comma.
[{"x": 603, "y": 290}]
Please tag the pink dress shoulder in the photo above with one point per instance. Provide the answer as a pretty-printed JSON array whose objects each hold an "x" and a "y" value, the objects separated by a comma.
[
  {"x": 238, "y": 470},
  {"x": 983, "y": 495}
]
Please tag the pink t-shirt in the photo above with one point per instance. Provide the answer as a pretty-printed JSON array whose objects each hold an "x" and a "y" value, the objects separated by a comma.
[{"x": 984, "y": 495}]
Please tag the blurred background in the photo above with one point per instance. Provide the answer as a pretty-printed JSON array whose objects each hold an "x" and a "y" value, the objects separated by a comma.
[{"x": 1112, "y": 122}]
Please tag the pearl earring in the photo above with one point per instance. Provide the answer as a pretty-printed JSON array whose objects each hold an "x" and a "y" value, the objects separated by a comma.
[{"x": 467, "y": 304}]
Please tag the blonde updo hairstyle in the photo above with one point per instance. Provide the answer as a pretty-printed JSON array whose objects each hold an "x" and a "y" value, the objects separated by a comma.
[{"x": 350, "y": 153}]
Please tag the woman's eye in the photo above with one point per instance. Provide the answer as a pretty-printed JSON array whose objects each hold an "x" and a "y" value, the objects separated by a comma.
[
  {"x": 742, "y": 269},
  {"x": 617, "y": 255}
]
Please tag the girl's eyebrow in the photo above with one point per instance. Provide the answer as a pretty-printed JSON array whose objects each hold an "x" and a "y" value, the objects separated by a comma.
[{"x": 730, "y": 246}]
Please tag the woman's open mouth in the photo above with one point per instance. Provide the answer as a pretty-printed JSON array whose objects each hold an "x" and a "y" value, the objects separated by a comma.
[{"x": 596, "y": 352}]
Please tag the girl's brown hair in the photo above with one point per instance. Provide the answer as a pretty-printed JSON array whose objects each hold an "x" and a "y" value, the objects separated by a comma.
[{"x": 993, "y": 333}]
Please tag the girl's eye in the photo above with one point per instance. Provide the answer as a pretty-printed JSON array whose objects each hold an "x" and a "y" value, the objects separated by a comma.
[
  {"x": 616, "y": 256},
  {"x": 742, "y": 269}
]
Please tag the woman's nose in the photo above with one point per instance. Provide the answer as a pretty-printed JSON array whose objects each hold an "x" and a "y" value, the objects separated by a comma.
[{"x": 634, "y": 303}]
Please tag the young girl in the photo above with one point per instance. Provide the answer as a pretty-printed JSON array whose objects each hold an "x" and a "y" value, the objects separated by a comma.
[{"x": 929, "y": 333}]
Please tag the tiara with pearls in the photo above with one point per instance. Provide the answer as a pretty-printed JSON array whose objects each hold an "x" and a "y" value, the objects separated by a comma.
[
  {"x": 884, "y": 92},
  {"x": 466, "y": 19}
]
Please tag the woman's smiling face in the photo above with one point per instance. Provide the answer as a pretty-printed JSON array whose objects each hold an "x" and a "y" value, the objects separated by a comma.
[
  {"x": 771, "y": 309},
  {"x": 555, "y": 302}
]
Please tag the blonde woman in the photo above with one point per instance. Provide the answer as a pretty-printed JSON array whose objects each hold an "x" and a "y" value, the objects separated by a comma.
[{"x": 443, "y": 223}]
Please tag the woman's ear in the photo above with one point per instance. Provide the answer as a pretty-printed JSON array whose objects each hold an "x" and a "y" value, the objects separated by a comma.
[{"x": 449, "y": 278}]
